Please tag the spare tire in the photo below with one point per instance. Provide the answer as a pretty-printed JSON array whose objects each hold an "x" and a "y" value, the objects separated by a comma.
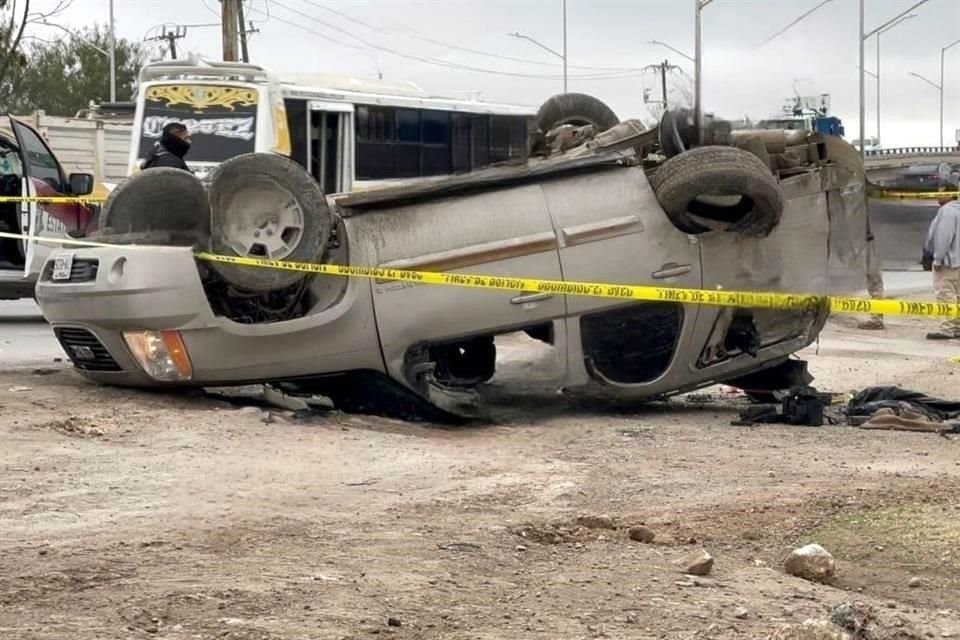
[
  {"x": 577, "y": 109},
  {"x": 161, "y": 200},
  {"x": 264, "y": 205},
  {"x": 719, "y": 184}
]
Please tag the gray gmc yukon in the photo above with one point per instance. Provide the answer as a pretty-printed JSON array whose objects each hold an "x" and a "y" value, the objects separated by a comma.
[{"x": 749, "y": 210}]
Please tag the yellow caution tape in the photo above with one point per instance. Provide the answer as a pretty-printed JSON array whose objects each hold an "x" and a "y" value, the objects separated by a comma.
[
  {"x": 720, "y": 298},
  {"x": 911, "y": 195},
  {"x": 54, "y": 199}
]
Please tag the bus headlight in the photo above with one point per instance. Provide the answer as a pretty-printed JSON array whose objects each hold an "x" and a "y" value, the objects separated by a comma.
[{"x": 161, "y": 354}]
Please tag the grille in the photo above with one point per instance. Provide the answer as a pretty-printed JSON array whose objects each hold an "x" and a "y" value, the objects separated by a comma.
[
  {"x": 85, "y": 350},
  {"x": 82, "y": 270}
]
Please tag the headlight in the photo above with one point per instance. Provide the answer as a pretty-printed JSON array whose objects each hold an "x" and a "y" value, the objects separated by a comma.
[{"x": 161, "y": 354}]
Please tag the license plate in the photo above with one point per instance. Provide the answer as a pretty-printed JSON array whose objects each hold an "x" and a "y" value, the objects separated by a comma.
[{"x": 62, "y": 266}]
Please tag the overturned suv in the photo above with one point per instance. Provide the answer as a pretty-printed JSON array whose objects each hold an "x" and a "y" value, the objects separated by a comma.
[{"x": 752, "y": 210}]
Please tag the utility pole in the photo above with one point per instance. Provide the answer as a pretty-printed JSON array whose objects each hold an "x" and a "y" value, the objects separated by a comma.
[
  {"x": 171, "y": 37},
  {"x": 663, "y": 68},
  {"x": 229, "y": 21},
  {"x": 244, "y": 52}
]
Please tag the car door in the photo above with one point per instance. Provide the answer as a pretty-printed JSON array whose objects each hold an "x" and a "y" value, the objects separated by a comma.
[
  {"x": 611, "y": 229},
  {"x": 506, "y": 233},
  {"x": 42, "y": 176},
  {"x": 794, "y": 257}
]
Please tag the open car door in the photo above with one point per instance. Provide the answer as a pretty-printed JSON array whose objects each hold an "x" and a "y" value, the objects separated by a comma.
[{"x": 42, "y": 176}]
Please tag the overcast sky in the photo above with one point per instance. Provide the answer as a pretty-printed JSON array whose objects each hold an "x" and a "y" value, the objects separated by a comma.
[{"x": 819, "y": 55}]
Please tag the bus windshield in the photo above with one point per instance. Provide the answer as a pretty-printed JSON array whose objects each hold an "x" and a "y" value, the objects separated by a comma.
[{"x": 222, "y": 120}]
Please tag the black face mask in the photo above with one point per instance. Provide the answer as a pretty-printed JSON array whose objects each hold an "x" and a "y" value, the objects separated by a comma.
[{"x": 175, "y": 145}]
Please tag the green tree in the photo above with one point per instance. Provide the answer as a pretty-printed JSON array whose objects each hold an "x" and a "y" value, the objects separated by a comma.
[
  {"x": 63, "y": 76},
  {"x": 13, "y": 23}
]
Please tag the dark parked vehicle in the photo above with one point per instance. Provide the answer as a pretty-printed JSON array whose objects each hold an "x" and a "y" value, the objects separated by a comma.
[{"x": 922, "y": 177}]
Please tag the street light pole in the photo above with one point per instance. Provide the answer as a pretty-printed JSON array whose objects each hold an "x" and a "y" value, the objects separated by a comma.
[
  {"x": 943, "y": 52},
  {"x": 938, "y": 87},
  {"x": 863, "y": 128},
  {"x": 676, "y": 51},
  {"x": 698, "y": 68},
  {"x": 109, "y": 52},
  {"x": 562, "y": 56},
  {"x": 877, "y": 74},
  {"x": 564, "y": 46},
  {"x": 892, "y": 22},
  {"x": 113, "y": 57}
]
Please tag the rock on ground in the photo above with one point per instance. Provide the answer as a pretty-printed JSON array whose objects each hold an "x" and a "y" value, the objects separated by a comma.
[
  {"x": 698, "y": 563},
  {"x": 641, "y": 533},
  {"x": 811, "y": 562},
  {"x": 809, "y": 630}
]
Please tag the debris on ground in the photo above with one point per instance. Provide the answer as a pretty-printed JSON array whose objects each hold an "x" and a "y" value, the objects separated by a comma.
[
  {"x": 596, "y": 522},
  {"x": 888, "y": 407},
  {"x": 698, "y": 563},
  {"x": 811, "y": 562},
  {"x": 799, "y": 406}
]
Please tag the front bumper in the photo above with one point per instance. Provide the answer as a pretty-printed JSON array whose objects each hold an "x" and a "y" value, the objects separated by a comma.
[{"x": 159, "y": 288}]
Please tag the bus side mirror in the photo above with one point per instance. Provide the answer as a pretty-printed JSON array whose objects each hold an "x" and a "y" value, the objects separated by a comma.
[{"x": 81, "y": 184}]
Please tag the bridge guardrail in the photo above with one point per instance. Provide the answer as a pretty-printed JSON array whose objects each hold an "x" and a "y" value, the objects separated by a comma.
[{"x": 910, "y": 151}]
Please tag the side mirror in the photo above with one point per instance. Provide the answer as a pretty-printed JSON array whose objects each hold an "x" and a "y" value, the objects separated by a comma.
[{"x": 81, "y": 184}]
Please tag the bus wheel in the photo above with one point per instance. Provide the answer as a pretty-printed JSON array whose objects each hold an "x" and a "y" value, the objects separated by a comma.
[
  {"x": 158, "y": 200},
  {"x": 264, "y": 205},
  {"x": 577, "y": 109}
]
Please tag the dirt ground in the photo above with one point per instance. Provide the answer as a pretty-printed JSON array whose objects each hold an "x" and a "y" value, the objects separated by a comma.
[{"x": 126, "y": 514}]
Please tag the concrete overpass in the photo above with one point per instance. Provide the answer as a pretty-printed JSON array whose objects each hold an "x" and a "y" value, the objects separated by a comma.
[{"x": 905, "y": 156}]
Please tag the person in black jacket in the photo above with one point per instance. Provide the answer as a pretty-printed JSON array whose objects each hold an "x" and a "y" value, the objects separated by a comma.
[{"x": 170, "y": 150}]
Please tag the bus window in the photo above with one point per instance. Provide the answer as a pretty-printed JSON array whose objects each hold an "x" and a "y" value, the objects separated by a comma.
[
  {"x": 480, "y": 141},
  {"x": 460, "y": 134},
  {"x": 499, "y": 138},
  {"x": 411, "y": 143},
  {"x": 222, "y": 119},
  {"x": 297, "y": 124},
  {"x": 436, "y": 143}
]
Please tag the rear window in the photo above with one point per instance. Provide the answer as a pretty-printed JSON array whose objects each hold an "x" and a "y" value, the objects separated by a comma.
[{"x": 222, "y": 119}]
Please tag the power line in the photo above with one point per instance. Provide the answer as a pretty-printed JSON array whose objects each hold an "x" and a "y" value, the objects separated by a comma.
[
  {"x": 308, "y": 30},
  {"x": 441, "y": 63},
  {"x": 794, "y": 22},
  {"x": 411, "y": 33}
]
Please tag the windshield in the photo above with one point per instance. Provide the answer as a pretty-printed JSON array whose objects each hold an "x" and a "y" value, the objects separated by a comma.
[{"x": 222, "y": 119}]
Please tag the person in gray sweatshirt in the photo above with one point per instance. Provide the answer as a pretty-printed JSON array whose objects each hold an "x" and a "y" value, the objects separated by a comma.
[{"x": 943, "y": 244}]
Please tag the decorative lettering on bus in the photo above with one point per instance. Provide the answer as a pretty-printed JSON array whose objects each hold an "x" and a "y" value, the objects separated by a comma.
[{"x": 233, "y": 128}]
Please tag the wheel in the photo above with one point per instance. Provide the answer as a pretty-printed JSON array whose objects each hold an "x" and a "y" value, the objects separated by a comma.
[
  {"x": 719, "y": 184},
  {"x": 160, "y": 200},
  {"x": 577, "y": 109},
  {"x": 675, "y": 131},
  {"x": 264, "y": 205}
]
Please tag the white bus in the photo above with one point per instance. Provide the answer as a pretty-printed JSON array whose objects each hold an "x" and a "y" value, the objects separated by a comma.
[{"x": 350, "y": 133}]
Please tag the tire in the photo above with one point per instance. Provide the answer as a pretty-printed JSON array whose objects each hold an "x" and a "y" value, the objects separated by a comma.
[
  {"x": 265, "y": 205},
  {"x": 577, "y": 109},
  {"x": 700, "y": 183},
  {"x": 676, "y": 132},
  {"x": 160, "y": 200}
]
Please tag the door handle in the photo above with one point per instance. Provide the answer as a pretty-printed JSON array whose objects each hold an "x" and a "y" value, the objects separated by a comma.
[
  {"x": 672, "y": 270},
  {"x": 531, "y": 297}
]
